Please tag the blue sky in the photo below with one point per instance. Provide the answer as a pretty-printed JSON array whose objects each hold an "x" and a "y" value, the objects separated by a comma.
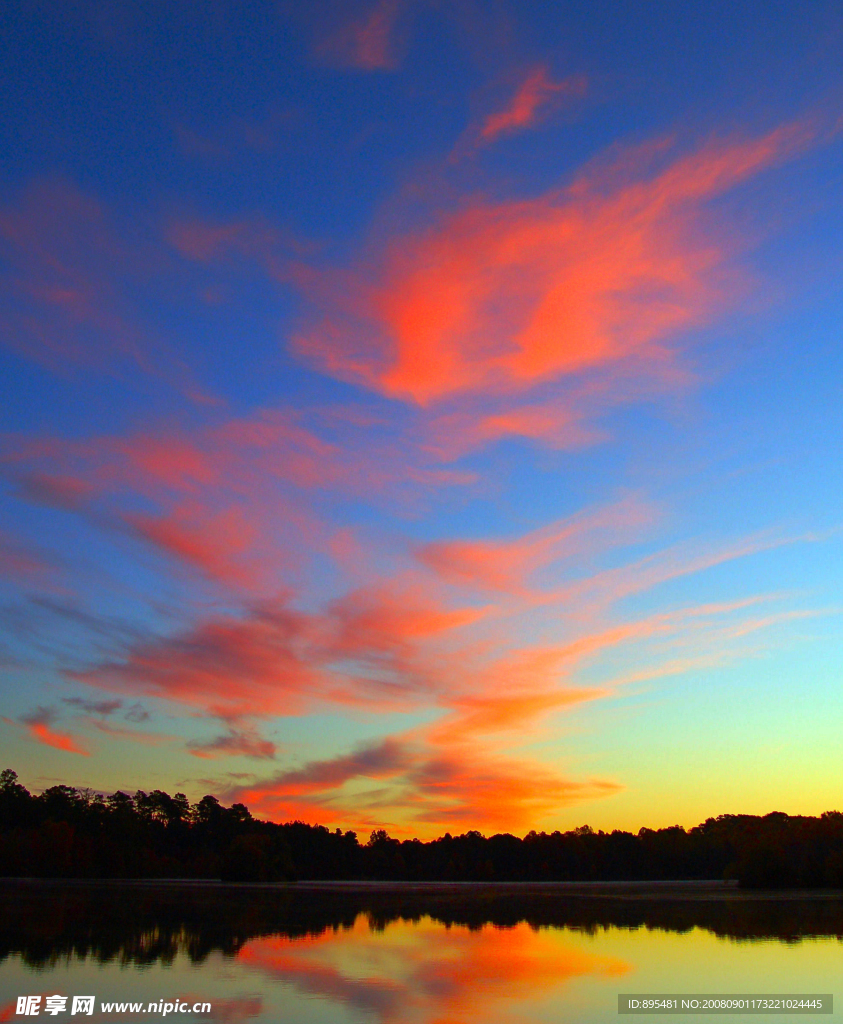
[{"x": 424, "y": 416}]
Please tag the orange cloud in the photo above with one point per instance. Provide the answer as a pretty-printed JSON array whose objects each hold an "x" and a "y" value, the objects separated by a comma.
[
  {"x": 38, "y": 725},
  {"x": 194, "y": 471},
  {"x": 499, "y": 298},
  {"x": 371, "y": 648},
  {"x": 382, "y": 630},
  {"x": 509, "y": 692},
  {"x": 506, "y": 565},
  {"x": 402, "y": 637},
  {"x": 531, "y": 101},
  {"x": 556, "y": 423},
  {"x": 461, "y": 783},
  {"x": 472, "y": 791},
  {"x": 385, "y": 760},
  {"x": 404, "y": 643},
  {"x": 44, "y": 734},
  {"x": 233, "y": 499},
  {"x": 231, "y": 667},
  {"x": 428, "y": 786},
  {"x": 508, "y": 712},
  {"x": 513, "y": 690}
]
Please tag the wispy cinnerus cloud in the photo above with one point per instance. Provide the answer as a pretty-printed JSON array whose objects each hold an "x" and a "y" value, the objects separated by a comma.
[
  {"x": 457, "y": 786},
  {"x": 595, "y": 279},
  {"x": 245, "y": 741},
  {"x": 487, "y": 638},
  {"x": 536, "y": 98},
  {"x": 66, "y": 283},
  {"x": 536, "y": 93},
  {"x": 234, "y": 500},
  {"x": 39, "y": 726}
]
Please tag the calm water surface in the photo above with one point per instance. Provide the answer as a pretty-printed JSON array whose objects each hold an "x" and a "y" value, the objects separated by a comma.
[{"x": 432, "y": 955}]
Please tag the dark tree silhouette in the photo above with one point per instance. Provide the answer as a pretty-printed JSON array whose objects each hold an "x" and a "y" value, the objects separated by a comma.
[{"x": 72, "y": 833}]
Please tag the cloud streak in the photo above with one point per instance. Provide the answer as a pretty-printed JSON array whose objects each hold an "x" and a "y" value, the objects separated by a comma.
[
  {"x": 458, "y": 787},
  {"x": 292, "y": 588},
  {"x": 505, "y": 566},
  {"x": 499, "y": 298},
  {"x": 366, "y": 42},
  {"x": 533, "y": 100},
  {"x": 38, "y": 724},
  {"x": 64, "y": 284}
]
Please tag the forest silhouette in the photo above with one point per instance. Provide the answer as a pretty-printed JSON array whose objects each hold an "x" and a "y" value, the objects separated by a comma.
[{"x": 73, "y": 833}]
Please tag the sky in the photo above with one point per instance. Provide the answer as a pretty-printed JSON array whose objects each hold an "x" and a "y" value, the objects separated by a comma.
[{"x": 424, "y": 416}]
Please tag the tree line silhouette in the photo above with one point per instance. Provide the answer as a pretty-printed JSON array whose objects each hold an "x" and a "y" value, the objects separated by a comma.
[{"x": 75, "y": 833}]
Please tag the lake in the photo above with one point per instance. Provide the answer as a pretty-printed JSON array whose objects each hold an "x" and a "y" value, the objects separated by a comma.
[{"x": 415, "y": 953}]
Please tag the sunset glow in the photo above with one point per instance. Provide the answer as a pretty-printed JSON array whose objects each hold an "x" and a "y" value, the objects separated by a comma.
[{"x": 425, "y": 417}]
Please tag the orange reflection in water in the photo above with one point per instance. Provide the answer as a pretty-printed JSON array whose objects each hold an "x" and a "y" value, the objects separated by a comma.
[{"x": 426, "y": 973}]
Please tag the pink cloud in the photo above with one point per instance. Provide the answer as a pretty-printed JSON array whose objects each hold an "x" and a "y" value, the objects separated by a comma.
[
  {"x": 555, "y": 423},
  {"x": 59, "y": 491},
  {"x": 384, "y": 760},
  {"x": 18, "y": 562},
  {"x": 261, "y": 132},
  {"x": 367, "y": 43},
  {"x": 235, "y": 499},
  {"x": 230, "y": 455},
  {"x": 533, "y": 100},
  {"x": 379, "y": 616},
  {"x": 213, "y": 543}
]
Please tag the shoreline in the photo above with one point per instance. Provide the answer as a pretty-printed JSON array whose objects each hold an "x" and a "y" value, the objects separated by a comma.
[{"x": 714, "y": 890}]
